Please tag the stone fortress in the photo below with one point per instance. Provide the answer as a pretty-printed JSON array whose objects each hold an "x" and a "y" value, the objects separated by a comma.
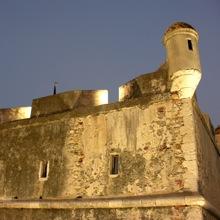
[{"x": 152, "y": 155}]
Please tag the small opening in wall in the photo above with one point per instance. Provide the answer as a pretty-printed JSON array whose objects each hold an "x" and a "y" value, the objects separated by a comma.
[
  {"x": 44, "y": 170},
  {"x": 190, "y": 46},
  {"x": 114, "y": 164}
]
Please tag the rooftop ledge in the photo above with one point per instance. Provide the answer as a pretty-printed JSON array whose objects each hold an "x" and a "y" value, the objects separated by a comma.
[
  {"x": 13, "y": 114},
  {"x": 67, "y": 101}
]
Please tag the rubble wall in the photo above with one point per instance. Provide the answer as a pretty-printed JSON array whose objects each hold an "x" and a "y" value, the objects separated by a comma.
[
  {"x": 166, "y": 213},
  {"x": 208, "y": 161},
  {"x": 154, "y": 140}
]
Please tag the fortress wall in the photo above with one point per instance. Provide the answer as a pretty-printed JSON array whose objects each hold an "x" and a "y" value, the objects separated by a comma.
[
  {"x": 68, "y": 100},
  {"x": 12, "y": 114},
  {"x": 155, "y": 144},
  {"x": 208, "y": 162},
  {"x": 22, "y": 148},
  {"x": 208, "y": 216},
  {"x": 165, "y": 213},
  {"x": 151, "y": 83}
]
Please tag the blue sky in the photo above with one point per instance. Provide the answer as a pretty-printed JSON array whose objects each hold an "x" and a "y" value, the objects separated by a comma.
[{"x": 98, "y": 44}]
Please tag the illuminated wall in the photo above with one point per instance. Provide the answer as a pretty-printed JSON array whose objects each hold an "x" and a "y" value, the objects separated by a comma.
[
  {"x": 12, "y": 114},
  {"x": 68, "y": 100}
]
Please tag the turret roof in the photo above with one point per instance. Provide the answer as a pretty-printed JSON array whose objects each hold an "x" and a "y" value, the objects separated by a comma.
[{"x": 178, "y": 25}]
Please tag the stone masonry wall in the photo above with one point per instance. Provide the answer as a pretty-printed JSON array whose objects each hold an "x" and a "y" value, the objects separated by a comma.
[
  {"x": 154, "y": 141},
  {"x": 208, "y": 216},
  {"x": 146, "y": 84},
  {"x": 22, "y": 148},
  {"x": 208, "y": 162},
  {"x": 166, "y": 213},
  {"x": 155, "y": 145}
]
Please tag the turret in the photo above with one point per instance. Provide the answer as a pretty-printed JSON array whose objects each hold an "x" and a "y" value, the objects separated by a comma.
[{"x": 181, "y": 42}]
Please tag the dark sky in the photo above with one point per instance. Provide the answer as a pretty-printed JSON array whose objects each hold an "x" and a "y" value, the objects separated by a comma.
[{"x": 97, "y": 44}]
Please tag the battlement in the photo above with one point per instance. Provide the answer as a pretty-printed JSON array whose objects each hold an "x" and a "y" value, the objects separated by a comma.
[
  {"x": 68, "y": 100},
  {"x": 179, "y": 76},
  {"x": 13, "y": 114}
]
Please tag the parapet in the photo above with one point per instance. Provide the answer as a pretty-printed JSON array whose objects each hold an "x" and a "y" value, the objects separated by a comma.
[
  {"x": 68, "y": 100},
  {"x": 146, "y": 84},
  {"x": 12, "y": 114}
]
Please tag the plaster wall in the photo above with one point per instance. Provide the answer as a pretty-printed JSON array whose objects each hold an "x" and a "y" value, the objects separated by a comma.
[
  {"x": 155, "y": 143},
  {"x": 146, "y": 84},
  {"x": 178, "y": 54},
  {"x": 68, "y": 100},
  {"x": 12, "y": 114},
  {"x": 22, "y": 148},
  {"x": 208, "y": 216},
  {"x": 166, "y": 213},
  {"x": 208, "y": 161}
]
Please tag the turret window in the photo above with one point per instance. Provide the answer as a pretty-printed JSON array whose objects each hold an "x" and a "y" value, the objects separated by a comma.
[{"x": 190, "y": 46}]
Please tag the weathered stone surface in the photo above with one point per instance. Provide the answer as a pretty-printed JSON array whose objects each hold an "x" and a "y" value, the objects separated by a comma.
[
  {"x": 174, "y": 213},
  {"x": 208, "y": 216},
  {"x": 208, "y": 160},
  {"x": 12, "y": 114},
  {"x": 146, "y": 84},
  {"x": 150, "y": 140},
  {"x": 22, "y": 149},
  {"x": 68, "y": 100}
]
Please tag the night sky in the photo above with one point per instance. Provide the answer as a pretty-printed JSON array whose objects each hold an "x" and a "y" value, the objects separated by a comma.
[{"x": 98, "y": 44}]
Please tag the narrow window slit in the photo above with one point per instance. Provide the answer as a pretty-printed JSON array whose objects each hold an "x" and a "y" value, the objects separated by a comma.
[
  {"x": 190, "y": 46},
  {"x": 44, "y": 170},
  {"x": 114, "y": 164}
]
